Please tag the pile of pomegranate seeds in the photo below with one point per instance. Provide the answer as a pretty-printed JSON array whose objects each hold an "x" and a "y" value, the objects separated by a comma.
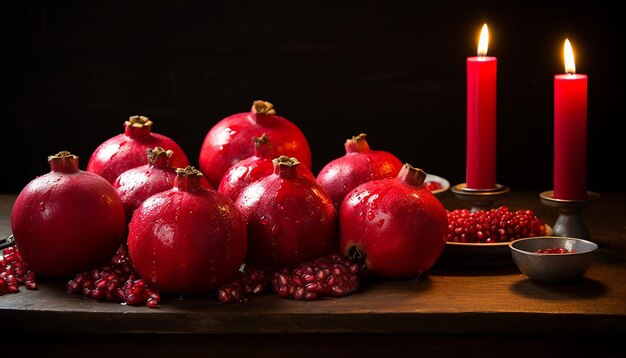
[
  {"x": 495, "y": 225},
  {"x": 555, "y": 250},
  {"x": 332, "y": 275},
  {"x": 250, "y": 281},
  {"x": 432, "y": 185},
  {"x": 116, "y": 281},
  {"x": 14, "y": 272}
]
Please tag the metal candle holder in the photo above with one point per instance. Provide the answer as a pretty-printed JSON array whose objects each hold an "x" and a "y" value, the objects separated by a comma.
[
  {"x": 480, "y": 199},
  {"x": 570, "y": 222}
]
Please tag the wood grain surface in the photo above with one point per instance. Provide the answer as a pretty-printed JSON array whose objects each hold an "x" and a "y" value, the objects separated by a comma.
[{"x": 450, "y": 300}]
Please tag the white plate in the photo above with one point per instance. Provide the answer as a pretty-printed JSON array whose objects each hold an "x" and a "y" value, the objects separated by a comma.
[{"x": 445, "y": 185}]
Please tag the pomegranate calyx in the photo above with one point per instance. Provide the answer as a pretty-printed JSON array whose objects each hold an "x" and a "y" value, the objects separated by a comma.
[
  {"x": 188, "y": 179},
  {"x": 285, "y": 167},
  {"x": 263, "y": 107},
  {"x": 64, "y": 162},
  {"x": 137, "y": 126},
  {"x": 411, "y": 175},
  {"x": 159, "y": 157},
  {"x": 357, "y": 144},
  {"x": 284, "y": 160},
  {"x": 262, "y": 147},
  {"x": 189, "y": 171},
  {"x": 138, "y": 121}
]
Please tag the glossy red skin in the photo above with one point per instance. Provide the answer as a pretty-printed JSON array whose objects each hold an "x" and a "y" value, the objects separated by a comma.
[
  {"x": 340, "y": 176},
  {"x": 122, "y": 152},
  {"x": 187, "y": 242},
  {"x": 67, "y": 223},
  {"x": 400, "y": 228},
  {"x": 228, "y": 142},
  {"x": 138, "y": 184},
  {"x": 290, "y": 220},
  {"x": 248, "y": 171}
]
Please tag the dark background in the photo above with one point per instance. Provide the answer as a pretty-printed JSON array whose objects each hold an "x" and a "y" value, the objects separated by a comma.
[{"x": 72, "y": 72}]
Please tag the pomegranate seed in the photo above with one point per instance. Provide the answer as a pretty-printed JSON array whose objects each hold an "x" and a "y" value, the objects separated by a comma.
[
  {"x": 152, "y": 302},
  {"x": 490, "y": 226},
  {"x": 432, "y": 185},
  {"x": 555, "y": 250},
  {"x": 250, "y": 281},
  {"x": 14, "y": 272},
  {"x": 116, "y": 281},
  {"x": 332, "y": 275}
]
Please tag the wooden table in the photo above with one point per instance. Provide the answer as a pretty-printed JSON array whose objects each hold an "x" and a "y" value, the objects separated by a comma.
[{"x": 490, "y": 311}]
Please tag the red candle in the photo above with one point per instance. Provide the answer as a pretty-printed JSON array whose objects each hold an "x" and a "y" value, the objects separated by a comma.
[
  {"x": 570, "y": 131},
  {"x": 481, "y": 118}
]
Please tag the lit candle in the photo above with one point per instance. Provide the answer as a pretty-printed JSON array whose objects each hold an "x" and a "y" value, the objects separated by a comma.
[
  {"x": 570, "y": 131},
  {"x": 481, "y": 117}
]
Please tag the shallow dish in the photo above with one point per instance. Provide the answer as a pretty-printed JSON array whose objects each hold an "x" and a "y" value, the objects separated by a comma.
[
  {"x": 551, "y": 268},
  {"x": 445, "y": 184}
]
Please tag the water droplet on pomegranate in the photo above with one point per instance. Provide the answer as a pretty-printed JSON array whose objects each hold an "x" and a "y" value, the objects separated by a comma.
[
  {"x": 381, "y": 222},
  {"x": 281, "y": 207},
  {"x": 264, "y": 220},
  {"x": 275, "y": 229},
  {"x": 371, "y": 215},
  {"x": 42, "y": 206},
  {"x": 361, "y": 216}
]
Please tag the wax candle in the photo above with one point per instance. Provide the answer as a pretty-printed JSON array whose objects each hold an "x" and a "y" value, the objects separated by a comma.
[
  {"x": 481, "y": 117},
  {"x": 570, "y": 131}
]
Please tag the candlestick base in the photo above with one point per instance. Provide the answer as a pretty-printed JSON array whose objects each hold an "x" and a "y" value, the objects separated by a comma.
[
  {"x": 570, "y": 222},
  {"x": 480, "y": 199}
]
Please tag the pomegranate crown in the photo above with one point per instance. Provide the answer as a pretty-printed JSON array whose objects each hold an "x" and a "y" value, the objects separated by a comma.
[
  {"x": 411, "y": 175},
  {"x": 263, "y": 107},
  {"x": 64, "y": 162},
  {"x": 357, "y": 144},
  {"x": 154, "y": 153},
  {"x": 262, "y": 140},
  {"x": 138, "y": 122},
  {"x": 189, "y": 171},
  {"x": 357, "y": 138},
  {"x": 286, "y": 161},
  {"x": 62, "y": 155}
]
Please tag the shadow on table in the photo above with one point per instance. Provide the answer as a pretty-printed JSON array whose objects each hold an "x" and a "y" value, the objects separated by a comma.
[{"x": 582, "y": 288}]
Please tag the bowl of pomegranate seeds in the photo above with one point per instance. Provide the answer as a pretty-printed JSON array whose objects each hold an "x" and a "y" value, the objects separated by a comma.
[
  {"x": 436, "y": 184},
  {"x": 482, "y": 238},
  {"x": 551, "y": 259}
]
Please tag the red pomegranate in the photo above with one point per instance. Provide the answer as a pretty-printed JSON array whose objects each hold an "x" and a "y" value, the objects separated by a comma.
[
  {"x": 228, "y": 141},
  {"x": 68, "y": 220},
  {"x": 188, "y": 239},
  {"x": 138, "y": 184},
  {"x": 254, "y": 168},
  {"x": 396, "y": 225},
  {"x": 249, "y": 170},
  {"x": 291, "y": 219},
  {"x": 360, "y": 164},
  {"x": 125, "y": 151}
]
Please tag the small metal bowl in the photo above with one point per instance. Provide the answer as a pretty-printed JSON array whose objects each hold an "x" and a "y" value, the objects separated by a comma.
[{"x": 551, "y": 268}]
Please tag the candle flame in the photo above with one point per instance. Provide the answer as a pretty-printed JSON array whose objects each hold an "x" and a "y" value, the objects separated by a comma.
[
  {"x": 483, "y": 42},
  {"x": 570, "y": 66}
]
